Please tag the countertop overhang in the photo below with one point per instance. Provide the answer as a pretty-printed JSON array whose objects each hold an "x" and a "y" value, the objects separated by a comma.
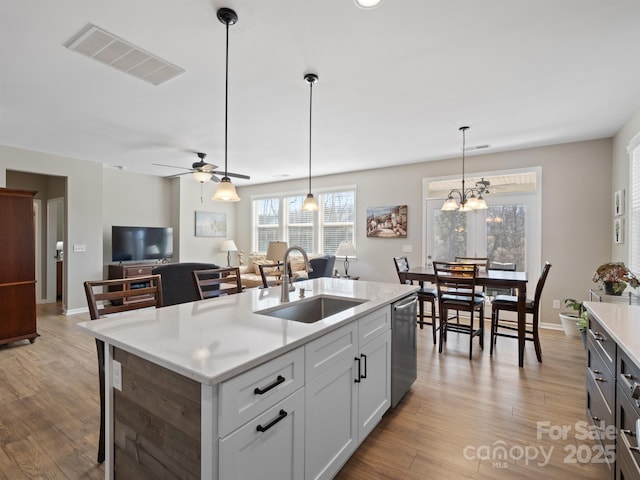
[
  {"x": 213, "y": 340},
  {"x": 622, "y": 323}
]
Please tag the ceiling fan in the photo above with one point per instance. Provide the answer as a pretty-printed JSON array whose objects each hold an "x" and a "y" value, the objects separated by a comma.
[{"x": 203, "y": 171}]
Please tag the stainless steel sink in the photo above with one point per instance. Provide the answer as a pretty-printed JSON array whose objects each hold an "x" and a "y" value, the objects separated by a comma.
[{"x": 313, "y": 309}]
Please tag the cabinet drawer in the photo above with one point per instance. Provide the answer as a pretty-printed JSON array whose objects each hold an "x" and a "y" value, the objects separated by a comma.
[
  {"x": 269, "y": 446},
  {"x": 329, "y": 350},
  {"x": 373, "y": 325},
  {"x": 598, "y": 370},
  {"x": 628, "y": 377},
  {"x": 598, "y": 411},
  {"x": 251, "y": 393},
  {"x": 604, "y": 343},
  {"x": 137, "y": 270},
  {"x": 627, "y": 461}
]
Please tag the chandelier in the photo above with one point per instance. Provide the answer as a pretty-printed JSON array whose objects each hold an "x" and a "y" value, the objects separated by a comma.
[{"x": 468, "y": 198}]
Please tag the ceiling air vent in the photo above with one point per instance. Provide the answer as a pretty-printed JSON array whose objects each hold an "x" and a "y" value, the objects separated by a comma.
[{"x": 105, "y": 47}]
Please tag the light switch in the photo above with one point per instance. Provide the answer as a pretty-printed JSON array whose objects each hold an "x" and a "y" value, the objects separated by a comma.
[{"x": 79, "y": 247}]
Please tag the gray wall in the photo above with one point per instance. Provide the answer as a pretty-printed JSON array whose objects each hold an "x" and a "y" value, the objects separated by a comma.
[{"x": 576, "y": 211}]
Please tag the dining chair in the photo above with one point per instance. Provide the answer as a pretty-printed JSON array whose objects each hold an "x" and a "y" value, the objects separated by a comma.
[
  {"x": 456, "y": 284},
  {"x": 216, "y": 282},
  {"x": 505, "y": 267},
  {"x": 425, "y": 295},
  {"x": 506, "y": 327},
  {"x": 271, "y": 274},
  {"x": 105, "y": 297}
]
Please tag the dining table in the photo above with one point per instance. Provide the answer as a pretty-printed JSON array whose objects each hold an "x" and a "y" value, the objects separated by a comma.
[{"x": 487, "y": 278}]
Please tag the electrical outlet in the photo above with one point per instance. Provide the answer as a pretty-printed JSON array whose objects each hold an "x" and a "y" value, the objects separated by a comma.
[
  {"x": 117, "y": 375},
  {"x": 407, "y": 248},
  {"x": 79, "y": 247},
  {"x": 556, "y": 304}
]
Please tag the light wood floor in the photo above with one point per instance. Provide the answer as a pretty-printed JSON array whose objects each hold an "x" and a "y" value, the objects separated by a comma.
[{"x": 456, "y": 410}]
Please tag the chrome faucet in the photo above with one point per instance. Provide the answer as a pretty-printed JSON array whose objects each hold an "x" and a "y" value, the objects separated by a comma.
[{"x": 286, "y": 284}]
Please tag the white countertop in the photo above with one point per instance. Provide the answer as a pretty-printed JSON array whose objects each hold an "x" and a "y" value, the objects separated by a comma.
[
  {"x": 213, "y": 340},
  {"x": 622, "y": 323}
]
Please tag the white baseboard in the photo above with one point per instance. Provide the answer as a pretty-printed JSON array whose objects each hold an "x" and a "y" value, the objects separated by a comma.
[{"x": 74, "y": 311}]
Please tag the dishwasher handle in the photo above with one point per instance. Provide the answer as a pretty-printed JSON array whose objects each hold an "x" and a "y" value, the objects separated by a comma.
[{"x": 409, "y": 302}]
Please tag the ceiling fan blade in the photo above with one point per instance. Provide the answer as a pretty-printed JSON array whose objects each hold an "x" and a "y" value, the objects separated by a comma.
[
  {"x": 236, "y": 175},
  {"x": 171, "y": 166},
  {"x": 176, "y": 175}
]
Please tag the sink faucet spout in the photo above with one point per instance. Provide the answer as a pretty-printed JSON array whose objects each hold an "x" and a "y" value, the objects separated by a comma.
[{"x": 286, "y": 281}]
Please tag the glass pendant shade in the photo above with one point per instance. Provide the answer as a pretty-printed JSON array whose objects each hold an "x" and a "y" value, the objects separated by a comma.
[
  {"x": 472, "y": 202},
  {"x": 202, "y": 177},
  {"x": 225, "y": 192},
  {"x": 450, "y": 204},
  {"x": 481, "y": 204},
  {"x": 465, "y": 208},
  {"x": 310, "y": 203}
]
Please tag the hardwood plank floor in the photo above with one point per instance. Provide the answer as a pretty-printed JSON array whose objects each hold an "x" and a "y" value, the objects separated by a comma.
[{"x": 49, "y": 410}]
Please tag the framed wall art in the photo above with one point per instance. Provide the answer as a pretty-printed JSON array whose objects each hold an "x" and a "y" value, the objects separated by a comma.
[
  {"x": 387, "y": 222},
  {"x": 618, "y": 230},
  {"x": 618, "y": 203},
  {"x": 211, "y": 224}
]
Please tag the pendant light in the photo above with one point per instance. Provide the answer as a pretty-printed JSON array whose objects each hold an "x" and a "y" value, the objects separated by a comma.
[
  {"x": 310, "y": 203},
  {"x": 468, "y": 199},
  {"x": 226, "y": 192}
]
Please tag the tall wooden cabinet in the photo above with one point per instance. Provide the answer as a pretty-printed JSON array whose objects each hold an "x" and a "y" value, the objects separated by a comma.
[{"x": 17, "y": 266}]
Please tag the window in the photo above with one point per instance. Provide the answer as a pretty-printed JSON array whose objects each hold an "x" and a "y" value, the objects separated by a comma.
[
  {"x": 634, "y": 205},
  {"x": 508, "y": 231},
  {"x": 282, "y": 218}
]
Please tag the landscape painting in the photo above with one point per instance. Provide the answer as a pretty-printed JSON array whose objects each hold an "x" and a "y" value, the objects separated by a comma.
[
  {"x": 387, "y": 222},
  {"x": 211, "y": 224}
]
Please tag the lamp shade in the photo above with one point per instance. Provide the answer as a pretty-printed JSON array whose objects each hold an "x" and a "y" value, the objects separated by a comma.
[
  {"x": 225, "y": 192},
  {"x": 229, "y": 246},
  {"x": 276, "y": 250},
  {"x": 202, "y": 177},
  {"x": 346, "y": 249},
  {"x": 310, "y": 204},
  {"x": 59, "y": 245}
]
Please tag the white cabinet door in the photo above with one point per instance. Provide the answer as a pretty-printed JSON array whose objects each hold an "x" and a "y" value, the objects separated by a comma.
[
  {"x": 269, "y": 446},
  {"x": 331, "y": 434},
  {"x": 374, "y": 388}
]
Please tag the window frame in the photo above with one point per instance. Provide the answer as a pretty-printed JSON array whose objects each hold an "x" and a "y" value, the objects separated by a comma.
[{"x": 318, "y": 223}]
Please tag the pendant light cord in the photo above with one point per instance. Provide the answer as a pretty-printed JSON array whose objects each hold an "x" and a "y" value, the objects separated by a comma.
[
  {"x": 310, "y": 107},
  {"x": 226, "y": 101},
  {"x": 464, "y": 129}
]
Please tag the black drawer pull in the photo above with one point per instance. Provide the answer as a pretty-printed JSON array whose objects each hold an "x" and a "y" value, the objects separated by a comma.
[
  {"x": 364, "y": 357},
  {"x": 260, "y": 391},
  {"x": 282, "y": 414},
  {"x": 597, "y": 372},
  {"x": 357, "y": 380},
  {"x": 600, "y": 379},
  {"x": 596, "y": 419},
  {"x": 628, "y": 432}
]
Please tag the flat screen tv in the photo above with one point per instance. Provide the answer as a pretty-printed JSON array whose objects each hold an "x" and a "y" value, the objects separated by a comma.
[{"x": 141, "y": 243}]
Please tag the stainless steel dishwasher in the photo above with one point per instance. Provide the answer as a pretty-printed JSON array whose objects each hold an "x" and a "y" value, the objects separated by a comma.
[{"x": 403, "y": 347}]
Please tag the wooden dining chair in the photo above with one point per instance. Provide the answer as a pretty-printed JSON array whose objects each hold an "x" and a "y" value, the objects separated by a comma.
[
  {"x": 456, "y": 284},
  {"x": 507, "y": 327},
  {"x": 216, "y": 282},
  {"x": 425, "y": 295},
  {"x": 271, "y": 274},
  {"x": 505, "y": 267},
  {"x": 106, "y": 297}
]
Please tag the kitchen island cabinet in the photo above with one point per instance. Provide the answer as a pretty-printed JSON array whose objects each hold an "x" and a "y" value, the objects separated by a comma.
[{"x": 251, "y": 373}]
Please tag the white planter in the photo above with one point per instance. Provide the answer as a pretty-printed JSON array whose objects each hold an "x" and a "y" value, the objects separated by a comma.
[{"x": 569, "y": 324}]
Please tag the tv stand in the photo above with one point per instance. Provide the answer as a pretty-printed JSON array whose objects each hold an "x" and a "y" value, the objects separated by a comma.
[{"x": 131, "y": 270}]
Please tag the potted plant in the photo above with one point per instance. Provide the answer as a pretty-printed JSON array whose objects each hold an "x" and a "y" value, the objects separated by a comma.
[
  {"x": 571, "y": 320},
  {"x": 614, "y": 277}
]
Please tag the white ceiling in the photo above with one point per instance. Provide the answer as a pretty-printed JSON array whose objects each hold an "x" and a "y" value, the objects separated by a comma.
[{"x": 395, "y": 82}]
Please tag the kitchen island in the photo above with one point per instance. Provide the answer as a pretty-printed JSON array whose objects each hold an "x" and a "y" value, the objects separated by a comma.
[{"x": 223, "y": 388}]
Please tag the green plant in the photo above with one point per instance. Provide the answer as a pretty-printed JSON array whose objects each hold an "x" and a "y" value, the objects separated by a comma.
[
  {"x": 582, "y": 312},
  {"x": 617, "y": 274}
]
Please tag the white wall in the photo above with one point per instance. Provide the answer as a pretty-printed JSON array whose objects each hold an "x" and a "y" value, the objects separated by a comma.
[
  {"x": 83, "y": 212},
  {"x": 576, "y": 211},
  {"x": 620, "y": 177}
]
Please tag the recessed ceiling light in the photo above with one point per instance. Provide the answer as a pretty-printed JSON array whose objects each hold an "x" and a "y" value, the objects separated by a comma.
[{"x": 368, "y": 3}]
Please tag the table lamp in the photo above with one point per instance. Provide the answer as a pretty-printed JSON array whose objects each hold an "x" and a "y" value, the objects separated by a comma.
[
  {"x": 346, "y": 250},
  {"x": 276, "y": 251},
  {"x": 229, "y": 246}
]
